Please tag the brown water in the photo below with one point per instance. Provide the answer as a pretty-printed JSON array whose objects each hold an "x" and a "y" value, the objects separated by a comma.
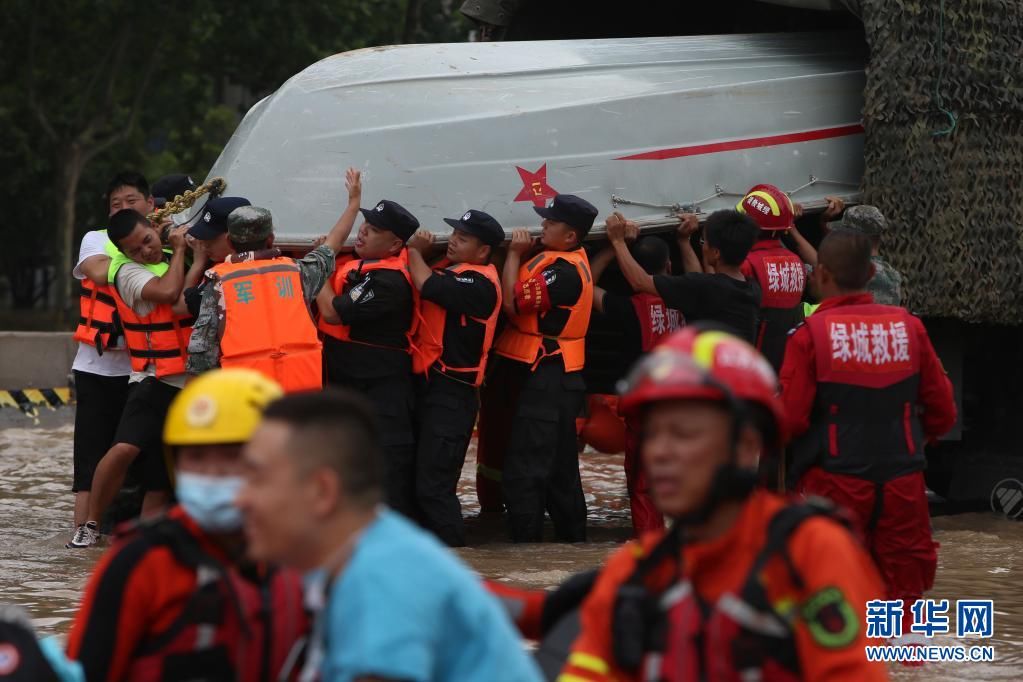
[{"x": 981, "y": 554}]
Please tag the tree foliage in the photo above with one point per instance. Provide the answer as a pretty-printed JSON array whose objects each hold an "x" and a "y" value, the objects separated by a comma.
[{"x": 91, "y": 88}]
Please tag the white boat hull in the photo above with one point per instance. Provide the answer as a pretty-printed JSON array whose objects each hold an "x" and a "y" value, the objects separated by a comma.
[{"x": 503, "y": 126}]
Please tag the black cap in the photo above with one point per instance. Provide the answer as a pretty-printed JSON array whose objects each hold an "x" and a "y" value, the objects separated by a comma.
[
  {"x": 212, "y": 221},
  {"x": 479, "y": 224},
  {"x": 568, "y": 208},
  {"x": 170, "y": 186},
  {"x": 390, "y": 215}
]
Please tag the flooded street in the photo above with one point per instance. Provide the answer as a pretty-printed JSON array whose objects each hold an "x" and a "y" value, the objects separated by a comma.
[{"x": 981, "y": 555}]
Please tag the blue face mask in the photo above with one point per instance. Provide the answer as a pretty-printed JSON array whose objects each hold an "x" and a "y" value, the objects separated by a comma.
[{"x": 209, "y": 500}]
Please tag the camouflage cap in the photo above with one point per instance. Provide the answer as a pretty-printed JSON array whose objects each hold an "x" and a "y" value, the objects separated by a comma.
[
  {"x": 866, "y": 219},
  {"x": 247, "y": 224}
]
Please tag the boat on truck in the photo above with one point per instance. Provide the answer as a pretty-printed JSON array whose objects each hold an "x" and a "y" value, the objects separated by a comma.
[{"x": 643, "y": 126}]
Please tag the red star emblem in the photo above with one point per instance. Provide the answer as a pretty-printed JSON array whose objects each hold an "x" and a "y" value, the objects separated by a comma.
[{"x": 534, "y": 186}]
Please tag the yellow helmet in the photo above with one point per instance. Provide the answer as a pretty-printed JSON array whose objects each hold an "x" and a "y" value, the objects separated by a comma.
[{"x": 219, "y": 407}]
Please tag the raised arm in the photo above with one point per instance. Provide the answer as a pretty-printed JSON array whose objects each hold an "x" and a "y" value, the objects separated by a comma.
[
  {"x": 521, "y": 242},
  {"x": 167, "y": 289},
  {"x": 343, "y": 227},
  {"x": 638, "y": 278},
  {"x": 418, "y": 268},
  {"x": 688, "y": 225}
]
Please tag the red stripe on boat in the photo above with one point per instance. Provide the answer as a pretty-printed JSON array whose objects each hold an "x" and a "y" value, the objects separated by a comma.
[{"x": 750, "y": 143}]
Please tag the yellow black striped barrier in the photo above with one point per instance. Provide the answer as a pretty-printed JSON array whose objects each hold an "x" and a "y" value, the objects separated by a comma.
[{"x": 28, "y": 399}]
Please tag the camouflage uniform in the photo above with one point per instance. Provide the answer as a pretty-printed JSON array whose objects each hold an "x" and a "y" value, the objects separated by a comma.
[
  {"x": 245, "y": 225},
  {"x": 886, "y": 285}
]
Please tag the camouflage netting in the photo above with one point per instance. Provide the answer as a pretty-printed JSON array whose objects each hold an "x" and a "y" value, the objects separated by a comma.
[{"x": 954, "y": 201}]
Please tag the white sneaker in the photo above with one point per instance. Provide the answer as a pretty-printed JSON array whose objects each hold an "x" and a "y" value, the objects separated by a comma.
[{"x": 86, "y": 535}]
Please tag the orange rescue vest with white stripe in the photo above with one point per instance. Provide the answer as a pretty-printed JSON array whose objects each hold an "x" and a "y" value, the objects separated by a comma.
[
  {"x": 522, "y": 339},
  {"x": 343, "y": 332},
  {"x": 429, "y": 340},
  {"x": 267, "y": 325}
]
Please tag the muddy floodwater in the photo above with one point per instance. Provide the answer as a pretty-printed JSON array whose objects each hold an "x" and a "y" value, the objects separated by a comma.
[{"x": 981, "y": 555}]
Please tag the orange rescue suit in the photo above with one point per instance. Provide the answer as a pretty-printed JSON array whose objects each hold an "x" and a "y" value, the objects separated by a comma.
[
  {"x": 429, "y": 339},
  {"x": 267, "y": 325},
  {"x": 522, "y": 339},
  {"x": 825, "y": 608}
]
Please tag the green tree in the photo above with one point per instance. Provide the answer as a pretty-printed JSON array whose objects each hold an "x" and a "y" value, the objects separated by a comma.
[{"x": 92, "y": 88}]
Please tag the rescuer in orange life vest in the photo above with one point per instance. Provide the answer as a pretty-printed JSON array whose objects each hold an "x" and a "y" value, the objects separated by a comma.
[
  {"x": 864, "y": 390},
  {"x": 174, "y": 597},
  {"x": 645, "y": 320},
  {"x": 368, "y": 317},
  {"x": 745, "y": 585},
  {"x": 780, "y": 273},
  {"x": 255, "y": 310},
  {"x": 102, "y": 366},
  {"x": 548, "y": 300},
  {"x": 461, "y": 300},
  {"x": 148, "y": 281}
]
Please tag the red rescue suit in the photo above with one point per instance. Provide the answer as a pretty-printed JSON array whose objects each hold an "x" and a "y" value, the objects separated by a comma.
[
  {"x": 863, "y": 390},
  {"x": 656, "y": 321},
  {"x": 782, "y": 278},
  {"x": 232, "y": 628}
]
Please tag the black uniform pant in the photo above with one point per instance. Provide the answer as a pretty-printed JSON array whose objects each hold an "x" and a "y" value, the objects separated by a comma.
[
  {"x": 541, "y": 467},
  {"x": 393, "y": 401},
  {"x": 447, "y": 413}
]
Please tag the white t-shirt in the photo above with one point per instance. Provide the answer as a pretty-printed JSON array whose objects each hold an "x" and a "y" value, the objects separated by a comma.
[
  {"x": 115, "y": 361},
  {"x": 131, "y": 280}
]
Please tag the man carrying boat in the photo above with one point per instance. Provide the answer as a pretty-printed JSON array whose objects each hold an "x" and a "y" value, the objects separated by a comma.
[
  {"x": 174, "y": 598},
  {"x": 461, "y": 301},
  {"x": 148, "y": 281},
  {"x": 102, "y": 366},
  {"x": 712, "y": 290},
  {"x": 255, "y": 306},
  {"x": 645, "y": 320},
  {"x": 368, "y": 316},
  {"x": 548, "y": 300}
]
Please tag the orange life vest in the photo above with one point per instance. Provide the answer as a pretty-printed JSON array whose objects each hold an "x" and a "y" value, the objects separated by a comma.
[
  {"x": 522, "y": 339},
  {"x": 160, "y": 337},
  {"x": 429, "y": 341},
  {"x": 339, "y": 281},
  {"x": 98, "y": 323},
  {"x": 267, "y": 325}
]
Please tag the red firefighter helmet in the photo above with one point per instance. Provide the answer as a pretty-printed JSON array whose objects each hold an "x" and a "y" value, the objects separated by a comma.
[
  {"x": 769, "y": 207},
  {"x": 701, "y": 364}
]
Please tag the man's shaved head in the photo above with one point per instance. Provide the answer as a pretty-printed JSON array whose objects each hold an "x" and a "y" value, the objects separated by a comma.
[{"x": 846, "y": 255}]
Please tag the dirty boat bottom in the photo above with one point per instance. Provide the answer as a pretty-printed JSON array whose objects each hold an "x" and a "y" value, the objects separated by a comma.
[{"x": 980, "y": 557}]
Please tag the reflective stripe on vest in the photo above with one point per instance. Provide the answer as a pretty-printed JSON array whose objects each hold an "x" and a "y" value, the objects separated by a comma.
[
  {"x": 522, "y": 340},
  {"x": 429, "y": 340},
  {"x": 160, "y": 338},
  {"x": 231, "y": 627},
  {"x": 339, "y": 282},
  {"x": 865, "y": 420},
  {"x": 267, "y": 325},
  {"x": 656, "y": 320}
]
